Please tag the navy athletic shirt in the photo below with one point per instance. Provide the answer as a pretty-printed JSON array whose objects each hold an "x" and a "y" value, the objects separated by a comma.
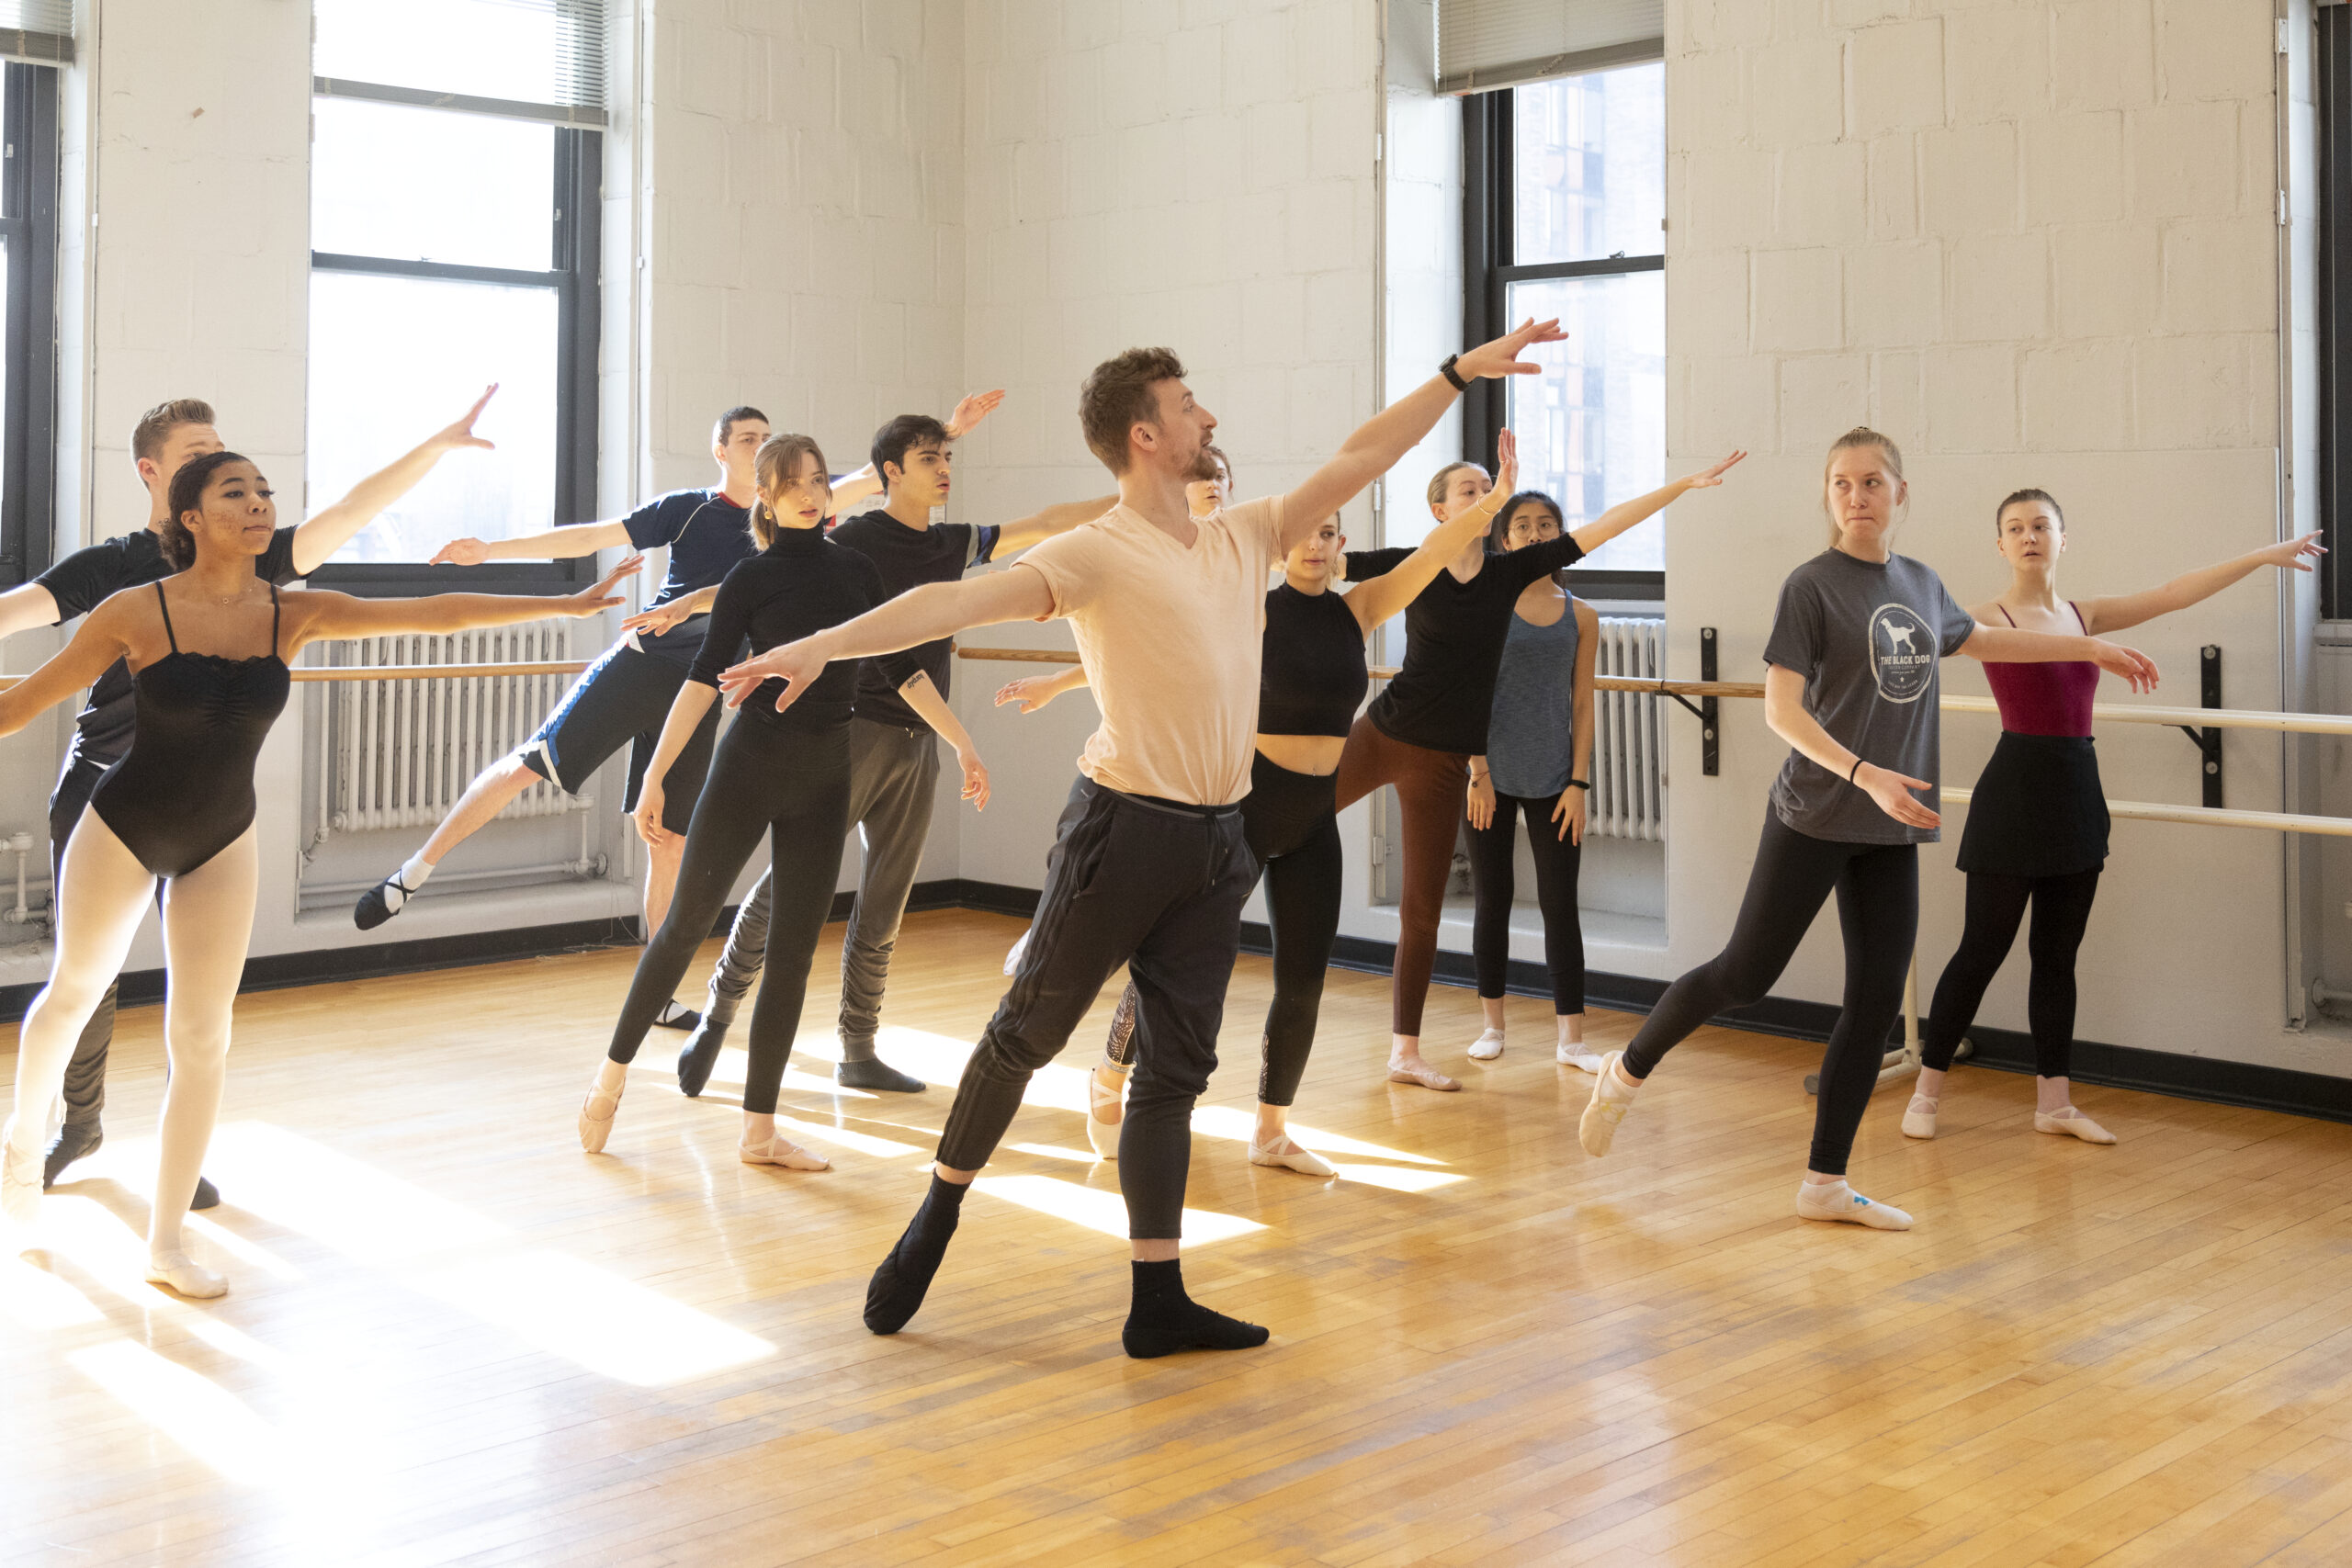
[
  {"x": 85, "y": 580},
  {"x": 909, "y": 557},
  {"x": 708, "y": 535}
]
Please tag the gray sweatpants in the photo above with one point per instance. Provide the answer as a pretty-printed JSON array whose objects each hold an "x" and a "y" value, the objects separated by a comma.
[{"x": 893, "y": 773}]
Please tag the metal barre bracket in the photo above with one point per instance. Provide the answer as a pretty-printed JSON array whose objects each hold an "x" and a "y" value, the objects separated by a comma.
[
  {"x": 2208, "y": 738},
  {"x": 1706, "y": 710}
]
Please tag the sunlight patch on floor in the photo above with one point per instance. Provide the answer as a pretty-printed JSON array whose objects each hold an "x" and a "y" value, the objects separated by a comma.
[
  {"x": 1232, "y": 1122},
  {"x": 605, "y": 1323},
  {"x": 1097, "y": 1210},
  {"x": 197, "y": 1413},
  {"x": 1396, "y": 1177}
]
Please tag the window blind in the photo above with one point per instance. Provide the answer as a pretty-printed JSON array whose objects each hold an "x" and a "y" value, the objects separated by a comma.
[
  {"x": 529, "y": 58},
  {"x": 37, "y": 30},
  {"x": 1485, "y": 44}
]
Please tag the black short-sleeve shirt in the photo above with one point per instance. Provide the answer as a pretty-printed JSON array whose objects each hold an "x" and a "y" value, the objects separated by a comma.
[
  {"x": 909, "y": 557},
  {"x": 87, "y": 579},
  {"x": 708, "y": 535}
]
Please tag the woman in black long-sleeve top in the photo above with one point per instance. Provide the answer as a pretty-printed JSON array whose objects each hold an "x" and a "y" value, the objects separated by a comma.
[{"x": 781, "y": 774}]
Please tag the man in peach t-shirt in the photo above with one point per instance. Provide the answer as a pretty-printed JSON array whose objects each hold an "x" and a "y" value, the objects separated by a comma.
[{"x": 1148, "y": 867}]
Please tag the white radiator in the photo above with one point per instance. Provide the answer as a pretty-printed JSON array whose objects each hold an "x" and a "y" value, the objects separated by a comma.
[
  {"x": 1628, "y": 739},
  {"x": 399, "y": 754}
]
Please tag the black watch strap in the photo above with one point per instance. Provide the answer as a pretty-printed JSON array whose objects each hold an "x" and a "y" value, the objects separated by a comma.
[
  {"x": 1445, "y": 368},
  {"x": 1583, "y": 785}
]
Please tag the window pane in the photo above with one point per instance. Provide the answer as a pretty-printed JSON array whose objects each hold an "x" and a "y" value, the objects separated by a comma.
[
  {"x": 483, "y": 48},
  {"x": 392, "y": 358},
  {"x": 424, "y": 184},
  {"x": 1592, "y": 428},
  {"x": 1589, "y": 165}
]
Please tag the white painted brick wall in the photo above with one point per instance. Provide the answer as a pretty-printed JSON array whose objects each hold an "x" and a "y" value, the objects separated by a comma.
[{"x": 2034, "y": 242}]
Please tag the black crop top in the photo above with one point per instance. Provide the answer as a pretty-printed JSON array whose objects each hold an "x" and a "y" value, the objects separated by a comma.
[
  {"x": 798, "y": 586},
  {"x": 1454, "y": 644},
  {"x": 1313, "y": 676}
]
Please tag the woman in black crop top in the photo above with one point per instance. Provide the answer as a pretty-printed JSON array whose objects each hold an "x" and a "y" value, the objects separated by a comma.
[
  {"x": 209, "y": 647},
  {"x": 1423, "y": 732},
  {"x": 1311, "y": 678},
  {"x": 783, "y": 775}
]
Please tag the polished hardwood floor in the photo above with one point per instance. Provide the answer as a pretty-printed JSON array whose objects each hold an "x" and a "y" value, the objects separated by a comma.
[{"x": 454, "y": 1338}]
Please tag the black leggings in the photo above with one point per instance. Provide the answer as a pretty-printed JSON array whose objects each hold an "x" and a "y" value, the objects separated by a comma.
[
  {"x": 793, "y": 787},
  {"x": 1491, "y": 877},
  {"x": 2062, "y": 909},
  {"x": 1294, "y": 833},
  {"x": 1878, "y": 910}
]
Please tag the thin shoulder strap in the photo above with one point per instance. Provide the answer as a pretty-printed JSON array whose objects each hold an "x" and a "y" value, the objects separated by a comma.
[
  {"x": 2005, "y": 612},
  {"x": 2078, "y": 617},
  {"x": 276, "y": 610},
  {"x": 164, "y": 605}
]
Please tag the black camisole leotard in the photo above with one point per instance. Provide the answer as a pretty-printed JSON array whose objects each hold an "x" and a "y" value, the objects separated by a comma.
[
  {"x": 185, "y": 790},
  {"x": 1313, "y": 672}
]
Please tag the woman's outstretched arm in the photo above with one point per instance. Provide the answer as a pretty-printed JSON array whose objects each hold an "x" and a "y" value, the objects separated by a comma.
[
  {"x": 2115, "y": 612},
  {"x": 319, "y": 617},
  {"x": 2007, "y": 645},
  {"x": 1624, "y": 514},
  {"x": 1378, "y": 598},
  {"x": 103, "y": 636}
]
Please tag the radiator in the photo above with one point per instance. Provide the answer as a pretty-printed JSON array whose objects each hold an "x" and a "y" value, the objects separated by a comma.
[
  {"x": 399, "y": 754},
  {"x": 1628, "y": 741}
]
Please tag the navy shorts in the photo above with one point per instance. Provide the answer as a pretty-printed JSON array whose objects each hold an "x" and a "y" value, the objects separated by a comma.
[{"x": 624, "y": 698}]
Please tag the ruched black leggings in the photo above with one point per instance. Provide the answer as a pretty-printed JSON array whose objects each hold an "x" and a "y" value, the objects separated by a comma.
[
  {"x": 1997, "y": 904},
  {"x": 1878, "y": 910},
  {"x": 792, "y": 787},
  {"x": 1294, "y": 833}
]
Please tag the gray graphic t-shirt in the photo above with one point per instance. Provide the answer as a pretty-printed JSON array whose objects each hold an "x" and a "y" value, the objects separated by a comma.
[{"x": 1867, "y": 638}]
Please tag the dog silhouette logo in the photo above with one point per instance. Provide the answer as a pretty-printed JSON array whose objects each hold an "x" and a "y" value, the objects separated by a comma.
[{"x": 1902, "y": 653}]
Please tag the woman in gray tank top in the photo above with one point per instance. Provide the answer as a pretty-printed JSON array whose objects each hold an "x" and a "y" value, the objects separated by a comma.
[{"x": 1539, "y": 751}]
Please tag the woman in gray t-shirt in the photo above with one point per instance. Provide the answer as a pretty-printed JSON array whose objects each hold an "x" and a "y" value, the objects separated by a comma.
[{"x": 1851, "y": 687}]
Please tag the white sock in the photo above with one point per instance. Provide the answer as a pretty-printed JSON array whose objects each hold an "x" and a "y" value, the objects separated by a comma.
[
  {"x": 1835, "y": 1200},
  {"x": 408, "y": 879}
]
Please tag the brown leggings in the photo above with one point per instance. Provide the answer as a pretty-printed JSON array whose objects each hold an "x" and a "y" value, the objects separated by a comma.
[{"x": 1431, "y": 787}]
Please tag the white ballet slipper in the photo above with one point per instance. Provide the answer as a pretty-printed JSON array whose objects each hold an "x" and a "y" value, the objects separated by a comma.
[
  {"x": 1487, "y": 1046},
  {"x": 1919, "y": 1117},
  {"x": 185, "y": 1275},
  {"x": 1414, "y": 1070},
  {"x": 19, "y": 1179},
  {"x": 1611, "y": 1098},
  {"x": 596, "y": 1113},
  {"x": 1102, "y": 1135},
  {"x": 2070, "y": 1122},
  {"x": 1836, "y": 1201},
  {"x": 1286, "y": 1153},
  {"x": 779, "y": 1150},
  {"x": 1572, "y": 1053}
]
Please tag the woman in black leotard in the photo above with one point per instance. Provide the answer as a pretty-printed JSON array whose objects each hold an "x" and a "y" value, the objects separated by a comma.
[
  {"x": 1422, "y": 733},
  {"x": 784, "y": 776},
  {"x": 208, "y": 648},
  {"x": 1312, "y": 679}
]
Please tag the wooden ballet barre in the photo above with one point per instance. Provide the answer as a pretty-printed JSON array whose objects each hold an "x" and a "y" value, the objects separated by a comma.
[
  {"x": 434, "y": 672},
  {"x": 2189, "y": 719},
  {"x": 2208, "y": 816}
]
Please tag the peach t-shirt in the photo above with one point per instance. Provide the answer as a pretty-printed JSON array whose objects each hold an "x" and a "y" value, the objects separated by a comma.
[{"x": 1170, "y": 639}]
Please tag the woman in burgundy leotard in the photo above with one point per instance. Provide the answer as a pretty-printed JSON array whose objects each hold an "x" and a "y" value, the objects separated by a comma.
[{"x": 2037, "y": 822}]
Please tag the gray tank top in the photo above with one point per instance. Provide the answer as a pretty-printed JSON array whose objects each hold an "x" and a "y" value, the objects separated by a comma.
[{"x": 1531, "y": 733}]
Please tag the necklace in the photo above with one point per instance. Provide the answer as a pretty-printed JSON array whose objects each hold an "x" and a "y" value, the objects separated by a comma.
[{"x": 231, "y": 599}]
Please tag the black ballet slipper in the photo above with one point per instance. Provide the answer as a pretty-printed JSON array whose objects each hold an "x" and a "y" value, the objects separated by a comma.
[
  {"x": 699, "y": 1056},
  {"x": 75, "y": 1140},
  {"x": 675, "y": 1017},
  {"x": 875, "y": 1074},
  {"x": 1164, "y": 1321},
  {"x": 894, "y": 1293}
]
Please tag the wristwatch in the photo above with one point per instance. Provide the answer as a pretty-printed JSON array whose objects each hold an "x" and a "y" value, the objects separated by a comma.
[
  {"x": 1583, "y": 785},
  {"x": 1446, "y": 371}
]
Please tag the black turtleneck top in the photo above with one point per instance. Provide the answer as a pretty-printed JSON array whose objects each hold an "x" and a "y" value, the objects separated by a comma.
[{"x": 798, "y": 586}]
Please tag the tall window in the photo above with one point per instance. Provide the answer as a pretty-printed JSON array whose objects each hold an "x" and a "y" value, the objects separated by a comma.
[
  {"x": 1564, "y": 216},
  {"x": 455, "y": 182},
  {"x": 2335, "y": 222},
  {"x": 29, "y": 266}
]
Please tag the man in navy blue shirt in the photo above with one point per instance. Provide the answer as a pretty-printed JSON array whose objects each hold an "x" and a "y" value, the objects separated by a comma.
[
  {"x": 166, "y": 436},
  {"x": 625, "y": 696}
]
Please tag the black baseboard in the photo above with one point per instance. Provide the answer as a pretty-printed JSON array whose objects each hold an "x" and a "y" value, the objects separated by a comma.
[
  {"x": 2002, "y": 1050},
  {"x": 2251, "y": 1085}
]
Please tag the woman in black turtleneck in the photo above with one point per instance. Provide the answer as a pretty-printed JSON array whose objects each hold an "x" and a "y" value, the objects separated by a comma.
[{"x": 785, "y": 776}]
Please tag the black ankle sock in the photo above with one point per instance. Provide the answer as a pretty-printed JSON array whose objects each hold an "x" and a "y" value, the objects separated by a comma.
[
  {"x": 699, "y": 1054},
  {"x": 873, "y": 1073},
  {"x": 894, "y": 1293},
  {"x": 1164, "y": 1320}
]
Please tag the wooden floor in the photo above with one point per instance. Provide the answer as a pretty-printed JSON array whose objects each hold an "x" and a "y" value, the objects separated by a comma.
[{"x": 455, "y": 1338}]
